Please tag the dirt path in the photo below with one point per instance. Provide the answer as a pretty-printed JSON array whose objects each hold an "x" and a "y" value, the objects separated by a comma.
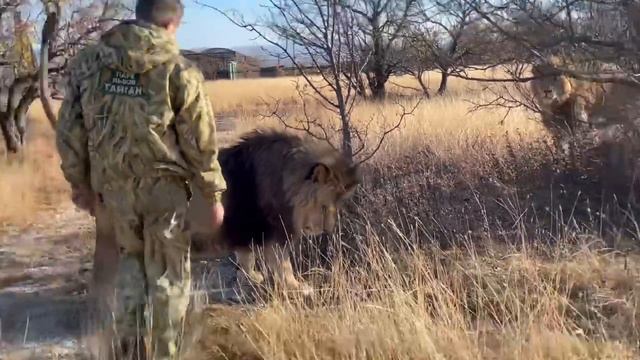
[
  {"x": 44, "y": 274},
  {"x": 43, "y": 281},
  {"x": 43, "y": 286}
]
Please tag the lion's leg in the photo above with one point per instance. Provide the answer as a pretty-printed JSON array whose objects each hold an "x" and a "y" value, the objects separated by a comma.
[
  {"x": 247, "y": 267},
  {"x": 279, "y": 265}
]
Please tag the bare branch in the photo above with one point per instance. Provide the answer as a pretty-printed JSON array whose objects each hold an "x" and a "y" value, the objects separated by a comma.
[{"x": 396, "y": 126}]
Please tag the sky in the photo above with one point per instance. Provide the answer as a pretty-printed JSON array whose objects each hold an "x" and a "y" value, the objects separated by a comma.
[{"x": 205, "y": 27}]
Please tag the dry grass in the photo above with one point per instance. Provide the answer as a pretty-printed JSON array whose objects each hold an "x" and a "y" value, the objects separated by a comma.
[
  {"x": 34, "y": 182},
  {"x": 244, "y": 96},
  {"x": 456, "y": 304},
  {"x": 467, "y": 240}
]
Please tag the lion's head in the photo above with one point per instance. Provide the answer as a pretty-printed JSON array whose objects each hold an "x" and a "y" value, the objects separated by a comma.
[
  {"x": 550, "y": 88},
  {"x": 325, "y": 181}
]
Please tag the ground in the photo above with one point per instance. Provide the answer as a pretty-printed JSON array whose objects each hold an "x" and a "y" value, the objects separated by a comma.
[
  {"x": 45, "y": 272},
  {"x": 469, "y": 238},
  {"x": 43, "y": 286}
]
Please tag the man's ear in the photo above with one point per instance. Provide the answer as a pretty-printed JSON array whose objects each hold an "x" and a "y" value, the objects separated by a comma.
[{"x": 320, "y": 173}]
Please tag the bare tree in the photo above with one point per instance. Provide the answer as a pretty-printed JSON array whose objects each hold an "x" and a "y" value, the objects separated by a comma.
[
  {"x": 446, "y": 36},
  {"x": 324, "y": 34},
  {"x": 454, "y": 27},
  {"x": 65, "y": 30},
  {"x": 419, "y": 56},
  {"x": 587, "y": 31},
  {"x": 17, "y": 61},
  {"x": 382, "y": 25}
]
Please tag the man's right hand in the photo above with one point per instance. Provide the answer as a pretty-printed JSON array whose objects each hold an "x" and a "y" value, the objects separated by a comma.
[{"x": 217, "y": 215}]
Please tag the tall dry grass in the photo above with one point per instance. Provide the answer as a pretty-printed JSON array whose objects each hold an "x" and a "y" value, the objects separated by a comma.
[
  {"x": 245, "y": 96},
  {"x": 32, "y": 182},
  {"x": 511, "y": 303}
]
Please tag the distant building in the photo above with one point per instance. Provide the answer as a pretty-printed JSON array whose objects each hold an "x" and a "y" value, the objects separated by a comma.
[
  {"x": 215, "y": 63},
  {"x": 272, "y": 71}
]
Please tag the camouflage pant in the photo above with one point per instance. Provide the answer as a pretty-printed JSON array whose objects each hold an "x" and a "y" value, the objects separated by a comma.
[{"x": 154, "y": 275}]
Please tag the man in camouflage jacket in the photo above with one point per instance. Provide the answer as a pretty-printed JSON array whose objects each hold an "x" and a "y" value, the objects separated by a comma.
[{"x": 135, "y": 130}]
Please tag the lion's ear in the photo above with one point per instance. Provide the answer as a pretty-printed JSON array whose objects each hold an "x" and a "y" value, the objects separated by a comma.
[
  {"x": 535, "y": 70},
  {"x": 320, "y": 173}
]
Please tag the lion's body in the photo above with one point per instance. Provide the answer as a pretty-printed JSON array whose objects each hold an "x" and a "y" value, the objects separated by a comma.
[
  {"x": 604, "y": 118},
  {"x": 570, "y": 106},
  {"x": 279, "y": 187}
]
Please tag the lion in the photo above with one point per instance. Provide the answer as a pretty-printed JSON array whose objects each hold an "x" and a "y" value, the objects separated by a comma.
[
  {"x": 602, "y": 117},
  {"x": 570, "y": 106},
  {"x": 280, "y": 187}
]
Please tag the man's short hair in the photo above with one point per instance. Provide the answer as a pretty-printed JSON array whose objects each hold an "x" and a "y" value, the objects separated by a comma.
[{"x": 159, "y": 12}]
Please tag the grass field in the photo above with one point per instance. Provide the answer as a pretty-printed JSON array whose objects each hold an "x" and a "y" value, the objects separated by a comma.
[{"x": 466, "y": 241}]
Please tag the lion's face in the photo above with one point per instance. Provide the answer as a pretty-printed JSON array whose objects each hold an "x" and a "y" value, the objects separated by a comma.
[
  {"x": 324, "y": 191},
  {"x": 551, "y": 89}
]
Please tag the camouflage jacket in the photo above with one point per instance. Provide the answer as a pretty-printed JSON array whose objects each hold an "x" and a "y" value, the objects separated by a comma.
[{"x": 135, "y": 108}]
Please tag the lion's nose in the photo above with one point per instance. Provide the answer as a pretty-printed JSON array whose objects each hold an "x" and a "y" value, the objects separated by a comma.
[{"x": 547, "y": 92}]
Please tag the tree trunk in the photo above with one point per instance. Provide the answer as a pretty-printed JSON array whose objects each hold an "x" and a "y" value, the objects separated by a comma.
[
  {"x": 443, "y": 82},
  {"x": 23, "y": 108},
  {"x": 13, "y": 121},
  {"x": 360, "y": 87},
  {"x": 377, "y": 86},
  {"x": 347, "y": 147},
  {"x": 378, "y": 77},
  {"x": 347, "y": 143},
  {"x": 12, "y": 140},
  {"x": 423, "y": 85}
]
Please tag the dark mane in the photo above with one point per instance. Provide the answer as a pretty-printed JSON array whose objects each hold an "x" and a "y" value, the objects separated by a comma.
[
  {"x": 255, "y": 211},
  {"x": 262, "y": 138}
]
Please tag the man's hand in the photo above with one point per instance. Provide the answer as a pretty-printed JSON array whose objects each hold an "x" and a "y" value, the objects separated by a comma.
[
  {"x": 84, "y": 198},
  {"x": 217, "y": 215}
]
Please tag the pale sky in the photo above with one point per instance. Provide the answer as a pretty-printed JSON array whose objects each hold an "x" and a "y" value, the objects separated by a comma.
[{"x": 204, "y": 27}]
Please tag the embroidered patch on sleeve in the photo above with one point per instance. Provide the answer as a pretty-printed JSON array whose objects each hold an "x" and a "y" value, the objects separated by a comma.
[{"x": 125, "y": 84}]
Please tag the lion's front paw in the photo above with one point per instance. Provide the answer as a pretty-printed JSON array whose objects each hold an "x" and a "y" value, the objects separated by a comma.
[{"x": 292, "y": 284}]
